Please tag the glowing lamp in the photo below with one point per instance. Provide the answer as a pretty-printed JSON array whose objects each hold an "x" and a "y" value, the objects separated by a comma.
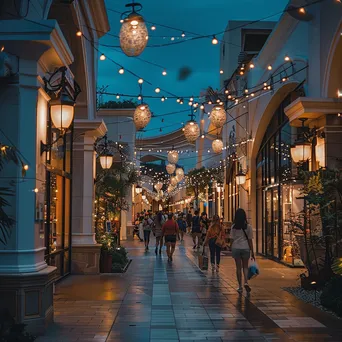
[
  {"x": 217, "y": 145},
  {"x": 138, "y": 189},
  {"x": 173, "y": 157},
  {"x": 301, "y": 151},
  {"x": 173, "y": 181},
  {"x": 170, "y": 168},
  {"x": 142, "y": 116},
  {"x": 106, "y": 161},
  {"x": 179, "y": 174},
  {"x": 62, "y": 112},
  {"x": 191, "y": 131},
  {"x": 133, "y": 35},
  {"x": 240, "y": 178},
  {"x": 218, "y": 116}
]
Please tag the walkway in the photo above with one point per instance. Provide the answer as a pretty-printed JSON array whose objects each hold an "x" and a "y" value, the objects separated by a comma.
[{"x": 156, "y": 301}]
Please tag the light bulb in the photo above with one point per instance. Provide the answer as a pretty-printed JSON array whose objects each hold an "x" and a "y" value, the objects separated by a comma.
[
  {"x": 226, "y": 91},
  {"x": 190, "y": 103},
  {"x": 121, "y": 71},
  {"x": 302, "y": 10},
  {"x": 269, "y": 67},
  {"x": 252, "y": 66},
  {"x": 26, "y": 167},
  {"x": 164, "y": 73},
  {"x": 157, "y": 90},
  {"x": 102, "y": 57},
  {"x": 202, "y": 107},
  {"x": 121, "y": 21},
  {"x": 178, "y": 100},
  {"x": 153, "y": 28},
  {"x": 140, "y": 81},
  {"x": 79, "y": 33},
  {"x": 162, "y": 99},
  {"x": 287, "y": 59},
  {"x": 183, "y": 34},
  {"x": 139, "y": 97},
  {"x": 202, "y": 136},
  {"x": 117, "y": 96},
  {"x": 214, "y": 41},
  {"x": 221, "y": 71},
  {"x": 134, "y": 22}
]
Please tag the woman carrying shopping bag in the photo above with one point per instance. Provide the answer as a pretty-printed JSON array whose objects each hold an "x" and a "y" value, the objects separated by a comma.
[
  {"x": 241, "y": 236},
  {"x": 215, "y": 239}
]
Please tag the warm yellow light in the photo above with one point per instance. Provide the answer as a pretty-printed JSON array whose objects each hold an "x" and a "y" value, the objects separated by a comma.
[
  {"x": 35, "y": 190},
  {"x": 301, "y": 152},
  {"x": 102, "y": 57},
  {"x": 157, "y": 90},
  {"x": 202, "y": 107},
  {"x": 287, "y": 59},
  {"x": 339, "y": 93},
  {"x": 26, "y": 167},
  {"x": 3, "y": 148},
  {"x": 302, "y": 10},
  {"x": 164, "y": 73},
  {"x": 153, "y": 28},
  {"x": 221, "y": 71},
  {"x": 106, "y": 161},
  {"x": 79, "y": 33},
  {"x": 140, "y": 81},
  {"x": 202, "y": 136},
  {"x": 269, "y": 67},
  {"x": 117, "y": 96},
  {"x": 240, "y": 178},
  {"x": 252, "y": 66},
  {"x": 134, "y": 22},
  {"x": 62, "y": 112},
  {"x": 183, "y": 34},
  {"x": 214, "y": 41}
]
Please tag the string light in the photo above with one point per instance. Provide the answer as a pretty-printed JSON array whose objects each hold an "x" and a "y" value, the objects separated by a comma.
[
  {"x": 79, "y": 33},
  {"x": 140, "y": 81},
  {"x": 287, "y": 58},
  {"x": 302, "y": 10},
  {"x": 269, "y": 67},
  {"x": 183, "y": 34},
  {"x": 252, "y": 66},
  {"x": 35, "y": 190},
  {"x": 157, "y": 90},
  {"x": 153, "y": 28},
  {"x": 102, "y": 57},
  {"x": 162, "y": 99},
  {"x": 26, "y": 167},
  {"x": 121, "y": 70},
  {"x": 214, "y": 40},
  {"x": 164, "y": 73},
  {"x": 221, "y": 71},
  {"x": 117, "y": 96}
]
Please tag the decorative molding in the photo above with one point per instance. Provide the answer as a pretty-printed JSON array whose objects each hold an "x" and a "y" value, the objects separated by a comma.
[
  {"x": 311, "y": 108},
  {"x": 105, "y": 112},
  {"x": 96, "y": 128}
]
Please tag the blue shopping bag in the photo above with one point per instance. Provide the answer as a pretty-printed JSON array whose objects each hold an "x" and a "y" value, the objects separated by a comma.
[{"x": 253, "y": 269}]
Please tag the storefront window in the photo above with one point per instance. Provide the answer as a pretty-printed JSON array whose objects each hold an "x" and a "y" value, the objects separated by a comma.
[{"x": 277, "y": 191}]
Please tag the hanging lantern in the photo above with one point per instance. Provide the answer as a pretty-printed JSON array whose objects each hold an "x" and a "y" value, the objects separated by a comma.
[
  {"x": 106, "y": 161},
  {"x": 173, "y": 157},
  {"x": 179, "y": 174},
  {"x": 133, "y": 32},
  {"x": 173, "y": 181},
  {"x": 218, "y": 116},
  {"x": 142, "y": 116},
  {"x": 62, "y": 112},
  {"x": 191, "y": 131},
  {"x": 138, "y": 189},
  {"x": 158, "y": 186},
  {"x": 170, "y": 188},
  {"x": 217, "y": 145},
  {"x": 170, "y": 168},
  {"x": 240, "y": 178},
  {"x": 301, "y": 151}
]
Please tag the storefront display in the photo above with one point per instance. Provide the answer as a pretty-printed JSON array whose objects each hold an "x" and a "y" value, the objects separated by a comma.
[{"x": 278, "y": 191}]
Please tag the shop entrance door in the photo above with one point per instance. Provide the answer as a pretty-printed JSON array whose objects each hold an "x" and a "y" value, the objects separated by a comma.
[{"x": 271, "y": 223}]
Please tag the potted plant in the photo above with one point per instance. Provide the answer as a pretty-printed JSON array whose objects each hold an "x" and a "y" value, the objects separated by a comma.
[{"x": 107, "y": 242}]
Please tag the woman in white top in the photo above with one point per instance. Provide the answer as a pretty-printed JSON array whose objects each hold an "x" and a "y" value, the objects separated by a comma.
[{"x": 242, "y": 246}]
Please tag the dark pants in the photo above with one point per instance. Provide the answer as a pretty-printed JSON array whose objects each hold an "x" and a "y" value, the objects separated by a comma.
[
  {"x": 214, "y": 251},
  {"x": 147, "y": 234}
]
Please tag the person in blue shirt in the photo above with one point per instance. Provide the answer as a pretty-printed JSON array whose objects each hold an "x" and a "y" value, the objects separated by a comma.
[{"x": 182, "y": 226}]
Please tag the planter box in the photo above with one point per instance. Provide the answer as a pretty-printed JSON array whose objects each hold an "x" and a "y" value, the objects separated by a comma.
[{"x": 105, "y": 262}]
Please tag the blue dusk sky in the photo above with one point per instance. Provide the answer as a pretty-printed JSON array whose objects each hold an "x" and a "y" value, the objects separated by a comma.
[{"x": 200, "y": 56}]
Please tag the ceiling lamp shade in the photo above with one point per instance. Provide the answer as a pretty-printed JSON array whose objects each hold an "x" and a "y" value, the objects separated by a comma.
[
  {"x": 173, "y": 157},
  {"x": 301, "y": 151},
  {"x": 217, "y": 145},
  {"x": 191, "y": 131},
  {"x": 173, "y": 181},
  {"x": 62, "y": 112},
  {"x": 218, "y": 116},
  {"x": 170, "y": 168},
  {"x": 240, "y": 178},
  {"x": 138, "y": 189},
  {"x": 106, "y": 161},
  {"x": 142, "y": 116},
  {"x": 179, "y": 174},
  {"x": 133, "y": 33},
  {"x": 158, "y": 186}
]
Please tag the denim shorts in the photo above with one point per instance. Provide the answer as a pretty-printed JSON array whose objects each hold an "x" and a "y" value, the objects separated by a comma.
[{"x": 241, "y": 253}]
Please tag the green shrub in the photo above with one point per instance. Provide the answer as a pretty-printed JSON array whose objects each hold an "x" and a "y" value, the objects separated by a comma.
[
  {"x": 119, "y": 258},
  {"x": 331, "y": 296}
]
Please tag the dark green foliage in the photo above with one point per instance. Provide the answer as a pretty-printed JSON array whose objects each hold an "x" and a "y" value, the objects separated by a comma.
[
  {"x": 331, "y": 296},
  {"x": 119, "y": 259},
  {"x": 10, "y": 331}
]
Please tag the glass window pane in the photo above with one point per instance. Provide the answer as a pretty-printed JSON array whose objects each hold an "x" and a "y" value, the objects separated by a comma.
[{"x": 67, "y": 213}]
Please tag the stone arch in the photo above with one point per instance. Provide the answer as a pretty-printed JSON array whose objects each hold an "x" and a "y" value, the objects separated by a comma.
[{"x": 333, "y": 70}]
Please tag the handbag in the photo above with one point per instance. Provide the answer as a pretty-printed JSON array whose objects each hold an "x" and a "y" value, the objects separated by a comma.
[
  {"x": 220, "y": 241},
  {"x": 203, "y": 260}
]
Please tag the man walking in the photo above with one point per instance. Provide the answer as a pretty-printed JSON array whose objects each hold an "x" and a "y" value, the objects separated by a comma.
[
  {"x": 196, "y": 230},
  {"x": 189, "y": 221}
]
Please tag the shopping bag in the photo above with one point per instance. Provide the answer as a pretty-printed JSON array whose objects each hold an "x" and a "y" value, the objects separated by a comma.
[
  {"x": 253, "y": 269},
  {"x": 203, "y": 261}
]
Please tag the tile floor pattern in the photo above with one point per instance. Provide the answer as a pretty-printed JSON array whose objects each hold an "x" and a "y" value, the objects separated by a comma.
[{"x": 157, "y": 301}]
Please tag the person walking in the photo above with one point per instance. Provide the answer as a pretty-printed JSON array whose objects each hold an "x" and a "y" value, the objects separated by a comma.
[
  {"x": 147, "y": 225},
  {"x": 196, "y": 230},
  {"x": 158, "y": 231},
  {"x": 241, "y": 235},
  {"x": 170, "y": 232},
  {"x": 182, "y": 226},
  {"x": 204, "y": 222},
  {"x": 214, "y": 232},
  {"x": 189, "y": 221}
]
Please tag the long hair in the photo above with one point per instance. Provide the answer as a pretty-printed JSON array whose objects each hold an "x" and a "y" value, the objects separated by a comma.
[
  {"x": 159, "y": 217},
  {"x": 216, "y": 225},
  {"x": 240, "y": 219}
]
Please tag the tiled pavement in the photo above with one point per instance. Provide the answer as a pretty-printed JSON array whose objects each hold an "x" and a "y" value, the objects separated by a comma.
[{"x": 156, "y": 301}]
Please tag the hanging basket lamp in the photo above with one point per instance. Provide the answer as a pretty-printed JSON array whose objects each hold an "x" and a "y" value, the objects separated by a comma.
[
  {"x": 217, "y": 145},
  {"x": 133, "y": 32},
  {"x": 142, "y": 116},
  {"x": 179, "y": 174},
  {"x": 173, "y": 157},
  {"x": 218, "y": 116},
  {"x": 170, "y": 168}
]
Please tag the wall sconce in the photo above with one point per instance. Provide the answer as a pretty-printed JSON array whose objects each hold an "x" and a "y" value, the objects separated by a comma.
[
  {"x": 63, "y": 90},
  {"x": 105, "y": 156},
  {"x": 240, "y": 178}
]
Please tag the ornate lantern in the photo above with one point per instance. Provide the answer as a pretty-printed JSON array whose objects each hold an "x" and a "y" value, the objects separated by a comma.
[
  {"x": 191, "y": 131},
  {"x": 133, "y": 32},
  {"x": 301, "y": 150},
  {"x": 217, "y": 145},
  {"x": 142, "y": 116},
  {"x": 170, "y": 168},
  {"x": 106, "y": 161},
  {"x": 179, "y": 174},
  {"x": 173, "y": 181},
  {"x": 218, "y": 116},
  {"x": 158, "y": 186},
  {"x": 173, "y": 157},
  {"x": 138, "y": 189}
]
